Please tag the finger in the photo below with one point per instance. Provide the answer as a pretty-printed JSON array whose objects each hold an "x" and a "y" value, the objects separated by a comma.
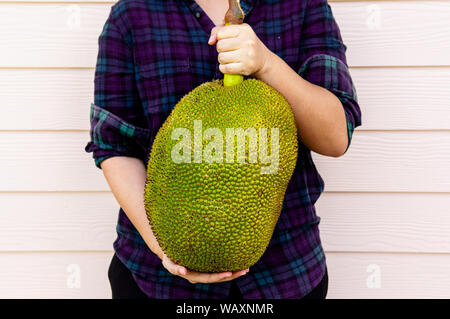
[
  {"x": 173, "y": 268},
  {"x": 213, "y": 35},
  {"x": 229, "y": 57},
  {"x": 229, "y": 31},
  {"x": 231, "y": 68},
  {"x": 169, "y": 267},
  {"x": 236, "y": 274},
  {"x": 215, "y": 277},
  {"x": 182, "y": 270},
  {"x": 228, "y": 45},
  {"x": 207, "y": 277}
]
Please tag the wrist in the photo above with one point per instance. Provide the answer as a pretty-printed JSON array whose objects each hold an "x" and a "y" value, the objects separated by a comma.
[
  {"x": 153, "y": 245},
  {"x": 263, "y": 73},
  {"x": 160, "y": 254},
  {"x": 157, "y": 251}
]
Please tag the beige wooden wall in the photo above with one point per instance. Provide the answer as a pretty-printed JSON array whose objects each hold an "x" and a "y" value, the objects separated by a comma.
[{"x": 386, "y": 209}]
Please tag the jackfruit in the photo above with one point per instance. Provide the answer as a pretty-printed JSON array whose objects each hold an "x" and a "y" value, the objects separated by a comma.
[{"x": 212, "y": 206}]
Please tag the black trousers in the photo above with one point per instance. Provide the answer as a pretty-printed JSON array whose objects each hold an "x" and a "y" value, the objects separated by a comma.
[{"x": 124, "y": 286}]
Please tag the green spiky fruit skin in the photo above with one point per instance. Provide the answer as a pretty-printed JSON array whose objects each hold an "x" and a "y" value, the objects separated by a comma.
[{"x": 214, "y": 217}]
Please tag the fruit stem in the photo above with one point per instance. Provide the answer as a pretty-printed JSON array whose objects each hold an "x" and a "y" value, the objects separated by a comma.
[{"x": 234, "y": 15}]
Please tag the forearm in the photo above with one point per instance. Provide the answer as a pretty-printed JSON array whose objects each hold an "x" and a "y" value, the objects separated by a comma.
[
  {"x": 126, "y": 178},
  {"x": 318, "y": 113}
]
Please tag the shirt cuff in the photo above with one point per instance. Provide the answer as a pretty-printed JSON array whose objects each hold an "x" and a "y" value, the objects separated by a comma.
[
  {"x": 112, "y": 136},
  {"x": 332, "y": 74}
]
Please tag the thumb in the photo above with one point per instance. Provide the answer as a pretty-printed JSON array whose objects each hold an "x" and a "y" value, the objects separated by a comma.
[
  {"x": 172, "y": 267},
  {"x": 213, "y": 37}
]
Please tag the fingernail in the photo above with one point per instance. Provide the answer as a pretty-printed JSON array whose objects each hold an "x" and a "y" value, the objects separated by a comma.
[{"x": 182, "y": 271}]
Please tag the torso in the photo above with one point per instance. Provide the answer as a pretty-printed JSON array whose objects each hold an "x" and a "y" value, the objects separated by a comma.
[{"x": 171, "y": 57}]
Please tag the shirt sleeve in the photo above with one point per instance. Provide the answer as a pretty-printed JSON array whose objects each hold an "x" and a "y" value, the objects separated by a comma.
[
  {"x": 323, "y": 60},
  {"x": 116, "y": 116}
]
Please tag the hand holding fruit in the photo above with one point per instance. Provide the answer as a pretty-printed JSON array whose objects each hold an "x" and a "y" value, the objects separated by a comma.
[
  {"x": 240, "y": 50},
  {"x": 197, "y": 277}
]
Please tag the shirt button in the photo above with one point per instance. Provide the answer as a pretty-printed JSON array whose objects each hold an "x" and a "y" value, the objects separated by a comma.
[{"x": 198, "y": 14}]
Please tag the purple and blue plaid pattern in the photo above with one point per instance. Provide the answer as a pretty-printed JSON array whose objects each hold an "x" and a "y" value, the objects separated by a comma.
[{"x": 151, "y": 53}]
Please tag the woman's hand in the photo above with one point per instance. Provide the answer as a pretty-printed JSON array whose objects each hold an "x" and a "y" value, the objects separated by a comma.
[
  {"x": 197, "y": 277},
  {"x": 240, "y": 50}
]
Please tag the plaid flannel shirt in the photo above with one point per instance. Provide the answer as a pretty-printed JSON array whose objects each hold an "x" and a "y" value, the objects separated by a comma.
[{"x": 151, "y": 53}]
